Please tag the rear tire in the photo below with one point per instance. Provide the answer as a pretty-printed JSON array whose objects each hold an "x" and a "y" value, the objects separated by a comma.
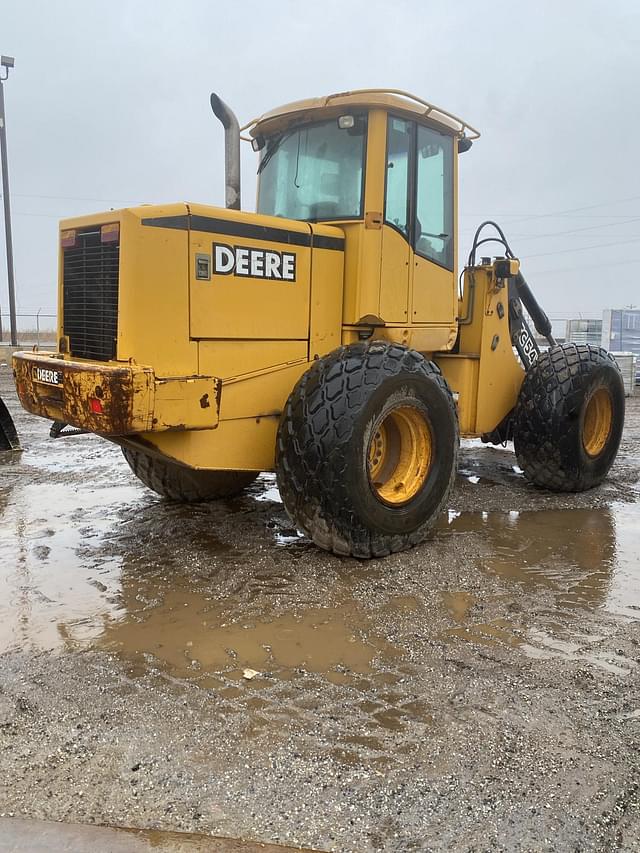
[
  {"x": 179, "y": 483},
  {"x": 367, "y": 449},
  {"x": 569, "y": 418}
]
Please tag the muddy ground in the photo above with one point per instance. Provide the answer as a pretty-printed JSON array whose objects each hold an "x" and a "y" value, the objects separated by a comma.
[{"x": 480, "y": 692}]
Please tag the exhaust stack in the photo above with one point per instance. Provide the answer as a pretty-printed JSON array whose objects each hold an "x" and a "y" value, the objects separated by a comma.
[{"x": 231, "y": 151}]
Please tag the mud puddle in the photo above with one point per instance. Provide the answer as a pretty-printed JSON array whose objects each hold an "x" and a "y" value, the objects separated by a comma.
[
  {"x": 174, "y": 596},
  {"x": 189, "y": 635},
  {"x": 588, "y": 558},
  {"x": 44, "y": 582},
  {"x": 571, "y": 562},
  {"x": 62, "y": 586}
]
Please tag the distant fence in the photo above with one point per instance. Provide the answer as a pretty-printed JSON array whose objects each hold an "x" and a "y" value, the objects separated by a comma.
[{"x": 36, "y": 328}]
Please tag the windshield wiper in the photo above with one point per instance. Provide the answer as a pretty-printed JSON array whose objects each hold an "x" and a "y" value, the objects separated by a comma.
[{"x": 271, "y": 150}]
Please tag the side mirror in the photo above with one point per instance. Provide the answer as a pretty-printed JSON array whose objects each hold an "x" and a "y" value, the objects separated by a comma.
[{"x": 464, "y": 144}]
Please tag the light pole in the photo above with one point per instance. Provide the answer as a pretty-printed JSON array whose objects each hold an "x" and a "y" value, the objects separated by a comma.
[{"x": 7, "y": 62}]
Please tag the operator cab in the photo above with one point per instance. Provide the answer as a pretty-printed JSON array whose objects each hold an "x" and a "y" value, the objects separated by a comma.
[
  {"x": 315, "y": 173},
  {"x": 382, "y": 166}
]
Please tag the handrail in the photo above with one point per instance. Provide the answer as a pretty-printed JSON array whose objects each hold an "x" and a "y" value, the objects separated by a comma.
[{"x": 429, "y": 108}]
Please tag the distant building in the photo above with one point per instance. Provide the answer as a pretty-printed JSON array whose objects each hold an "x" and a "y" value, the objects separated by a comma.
[
  {"x": 621, "y": 333},
  {"x": 621, "y": 330},
  {"x": 618, "y": 332},
  {"x": 584, "y": 332}
]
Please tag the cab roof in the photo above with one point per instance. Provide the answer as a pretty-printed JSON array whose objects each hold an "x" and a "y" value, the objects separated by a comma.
[{"x": 396, "y": 100}]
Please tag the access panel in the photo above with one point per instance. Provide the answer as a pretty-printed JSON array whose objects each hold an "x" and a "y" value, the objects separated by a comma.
[{"x": 249, "y": 277}]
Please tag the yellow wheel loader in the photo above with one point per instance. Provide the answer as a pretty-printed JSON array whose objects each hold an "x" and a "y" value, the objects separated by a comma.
[{"x": 323, "y": 337}]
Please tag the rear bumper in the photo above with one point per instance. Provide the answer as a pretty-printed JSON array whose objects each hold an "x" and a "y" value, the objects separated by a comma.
[{"x": 114, "y": 400}]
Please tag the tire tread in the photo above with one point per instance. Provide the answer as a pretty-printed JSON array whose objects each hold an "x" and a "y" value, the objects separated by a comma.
[
  {"x": 550, "y": 400},
  {"x": 187, "y": 485},
  {"x": 318, "y": 422}
]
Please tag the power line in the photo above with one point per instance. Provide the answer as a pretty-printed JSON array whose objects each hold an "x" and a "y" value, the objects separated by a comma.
[
  {"x": 585, "y": 248},
  {"x": 580, "y": 230},
  {"x": 562, "y": 233},
  {"x": 488, "y": 215},
  {"x": 73, "y": 198},
  {"x": 588, "y": 267},
  {"x": 527, "y": 216},
  {"x": 43, "y": 215}
]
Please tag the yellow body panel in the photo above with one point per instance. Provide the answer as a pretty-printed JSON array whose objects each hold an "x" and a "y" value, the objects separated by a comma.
[
  {"x": 261, "y": 396},
  {"x": 461, "y": 372},
  {"x": 153, "y": 311},
  {"x": 363, "y": 250},
  {"x": 396, "y": 257},
  {"x": 327, "y": 277},
  {"x": 279, "y": 309},
  {"x": 230, "y": 359},
  {"x": 485, "y": 373},
  {"x": 353, "y": 300},
  {"x": 433, "y": 294},
  {"x": 154, "y": 329},
  {"x": 242, "y": 445}
]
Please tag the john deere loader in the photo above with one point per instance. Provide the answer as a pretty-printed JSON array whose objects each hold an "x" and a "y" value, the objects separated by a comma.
[{"x": 324, "y": 336}]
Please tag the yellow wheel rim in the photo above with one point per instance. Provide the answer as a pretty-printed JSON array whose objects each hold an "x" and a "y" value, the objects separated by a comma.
[
  {"x": 399, "y": 455},
  {"x": 598, "y": 418}
]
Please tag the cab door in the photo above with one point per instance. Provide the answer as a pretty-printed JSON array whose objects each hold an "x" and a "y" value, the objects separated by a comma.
[
  {"x": 434, "y": 297},
  {"x": 396, "y": 228}
]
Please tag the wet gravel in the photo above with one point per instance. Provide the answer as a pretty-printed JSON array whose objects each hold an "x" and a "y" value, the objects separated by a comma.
[{"x": 477, "y": 693}]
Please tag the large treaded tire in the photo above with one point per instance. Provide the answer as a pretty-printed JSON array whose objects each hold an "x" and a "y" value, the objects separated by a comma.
[
  {"x": 549, "y": 420},
  {"x": 179, "y": 483},
  {"x": 324, "y": 437}
]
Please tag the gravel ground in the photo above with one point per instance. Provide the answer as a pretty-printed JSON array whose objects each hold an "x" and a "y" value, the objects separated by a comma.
[{"x": 479, "y": 692}]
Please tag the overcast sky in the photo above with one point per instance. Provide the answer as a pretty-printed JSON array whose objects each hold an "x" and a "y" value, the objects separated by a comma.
[{"x": 108, "y": 105}]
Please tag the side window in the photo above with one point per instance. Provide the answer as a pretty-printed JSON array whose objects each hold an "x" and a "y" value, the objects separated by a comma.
[
  {"x": 396, "y": 206},
  {"x": 434, "y": 198}
]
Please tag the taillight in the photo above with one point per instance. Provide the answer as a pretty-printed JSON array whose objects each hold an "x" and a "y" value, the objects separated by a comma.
[
  {"x": 67, "y": 239},
  {"x": 110, "y": 233}
]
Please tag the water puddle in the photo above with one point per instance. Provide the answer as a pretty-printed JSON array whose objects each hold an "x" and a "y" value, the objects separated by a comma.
[
  {"x": 44, "y": 583},
  {"x": 587, "y": 558},
  {"x": 572, "y": 560},
  {"x": 189, "y": 634},
  {"x": 114, "y": 568}
]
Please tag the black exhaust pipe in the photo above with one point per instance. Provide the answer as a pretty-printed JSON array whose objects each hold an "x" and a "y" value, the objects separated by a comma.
[{"x": 231, "y": 151}]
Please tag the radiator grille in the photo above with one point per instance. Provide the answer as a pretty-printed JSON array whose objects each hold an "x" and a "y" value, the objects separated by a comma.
[{"x": 90, "y": 296}]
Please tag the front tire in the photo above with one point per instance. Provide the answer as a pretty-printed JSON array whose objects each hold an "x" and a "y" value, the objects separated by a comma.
[
  {"x": 367, "y": 449},
  {"x": 179, "y": 483},
  {"x": 569, "y": 418}
]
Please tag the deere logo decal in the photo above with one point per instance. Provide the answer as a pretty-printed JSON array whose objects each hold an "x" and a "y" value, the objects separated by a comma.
[
  {"x": 253, "y": 263},
  {"x": 50, "y": 377}
]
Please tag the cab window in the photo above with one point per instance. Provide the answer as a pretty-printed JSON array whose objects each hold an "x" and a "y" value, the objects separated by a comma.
[
  {"x": 434, "y": 196},
  {"x": 419, "y": 188},
  {"x": 399, "y": 145},
  {"x": 314, "y": 172}
]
